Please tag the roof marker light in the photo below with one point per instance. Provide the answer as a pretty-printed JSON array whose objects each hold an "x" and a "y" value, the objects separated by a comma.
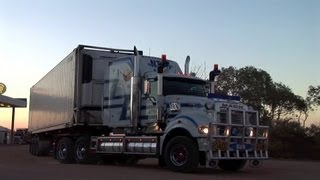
[
  {"x": 215, "y": 67},
  {"x": 163, "y": 57}
]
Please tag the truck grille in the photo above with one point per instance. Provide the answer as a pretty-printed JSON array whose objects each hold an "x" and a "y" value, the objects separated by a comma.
[{"x": 236, "y": 134}]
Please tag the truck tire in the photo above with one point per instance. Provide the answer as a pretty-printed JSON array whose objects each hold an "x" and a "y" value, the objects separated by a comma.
[
  {"x": 31, "y": 147},
  {"x": 82, "y": 150},
  {"x": 44, "y": 147},
  {"x": 181, "y": 154},
  {"x": 231, "y": 165},
  {"x": 64, "y": 150},
  {"x": 36, "y": 147}
]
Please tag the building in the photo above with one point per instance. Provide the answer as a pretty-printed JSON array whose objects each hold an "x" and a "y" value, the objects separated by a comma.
[
  {"x": 8, "y": 102},
  {"x": 4, "y": 135}
]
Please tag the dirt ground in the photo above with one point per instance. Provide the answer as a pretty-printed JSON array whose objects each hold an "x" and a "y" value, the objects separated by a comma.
[{"x": 16, "y": 163}]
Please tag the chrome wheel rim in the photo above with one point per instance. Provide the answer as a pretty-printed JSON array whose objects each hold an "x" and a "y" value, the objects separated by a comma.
[
  {"x": 179, "y": 155},
  {"x": 62, "y": 152},
  {"x": 80, "y": 151}
]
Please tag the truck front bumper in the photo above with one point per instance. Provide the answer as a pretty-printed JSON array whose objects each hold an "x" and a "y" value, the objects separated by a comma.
[
  {"x": 223, "y": 150},
  {"x": 220, "y": 149}
]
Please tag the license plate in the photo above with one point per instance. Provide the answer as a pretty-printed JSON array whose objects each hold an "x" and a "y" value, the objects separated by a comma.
[{"x": 241, "y": 146}]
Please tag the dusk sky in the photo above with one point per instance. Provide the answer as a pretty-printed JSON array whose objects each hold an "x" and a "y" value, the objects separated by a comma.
[{"x": 281, "y": 37}]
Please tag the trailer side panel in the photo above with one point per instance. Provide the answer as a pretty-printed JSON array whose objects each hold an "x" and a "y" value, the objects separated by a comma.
[{"x": 52, "y": 104}]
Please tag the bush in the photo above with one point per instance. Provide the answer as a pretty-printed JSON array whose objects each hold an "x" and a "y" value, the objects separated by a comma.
[{"x": 291, "y": 141}]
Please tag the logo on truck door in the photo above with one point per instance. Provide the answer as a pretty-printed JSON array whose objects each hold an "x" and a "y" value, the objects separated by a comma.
[{"x": 127, "y": 74}]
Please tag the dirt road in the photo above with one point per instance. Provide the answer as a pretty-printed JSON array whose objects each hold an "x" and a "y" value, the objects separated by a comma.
[{"x": 16, "y": 164}]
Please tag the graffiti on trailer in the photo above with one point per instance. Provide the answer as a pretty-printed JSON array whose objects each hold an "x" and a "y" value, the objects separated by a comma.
[{"x": 154, "y": 64}]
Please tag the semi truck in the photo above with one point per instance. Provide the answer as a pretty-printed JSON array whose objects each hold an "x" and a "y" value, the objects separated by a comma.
[{"x": 120, "y": 106}]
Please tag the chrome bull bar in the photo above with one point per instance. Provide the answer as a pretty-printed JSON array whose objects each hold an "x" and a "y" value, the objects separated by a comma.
[{"x": 237, "y": 141}]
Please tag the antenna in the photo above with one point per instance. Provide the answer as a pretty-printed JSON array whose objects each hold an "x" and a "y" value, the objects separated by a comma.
[{"x": 205, "y": 70}]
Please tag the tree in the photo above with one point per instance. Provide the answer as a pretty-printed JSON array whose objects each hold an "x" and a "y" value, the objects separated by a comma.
[
  {"x": 250, "y": 83},
  {"x": 282, "y": 101},
  {"x": 302, "y": 107},
  {"x": 313, "y": 95},
  {"x": 309, "y": 104},
  {"x": 313, "y": 130},
  {"x": 227, "y": 81},
  {"x": 256, "y": 88}
]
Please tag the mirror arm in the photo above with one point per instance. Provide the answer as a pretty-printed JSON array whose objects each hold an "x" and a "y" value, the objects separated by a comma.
[{"x": 151, "y": 98}]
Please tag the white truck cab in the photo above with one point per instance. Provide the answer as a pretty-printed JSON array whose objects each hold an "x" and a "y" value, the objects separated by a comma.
[{"x": 182, "y": 123}]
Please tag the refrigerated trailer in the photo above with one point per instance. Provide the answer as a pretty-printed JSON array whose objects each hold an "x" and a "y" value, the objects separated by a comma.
[{"x": 120, "y": 106}]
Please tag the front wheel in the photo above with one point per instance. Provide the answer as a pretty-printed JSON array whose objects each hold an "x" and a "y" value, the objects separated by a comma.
[
  {"x": 181, "y": 154},
  {"x": 231, "y": 165}
]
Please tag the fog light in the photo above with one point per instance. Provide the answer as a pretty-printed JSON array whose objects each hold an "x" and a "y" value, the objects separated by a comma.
[
  {"x": 227, "y": 132},
  {"x": 265, "y": 133},
  {"x": 249, "y": 132}
]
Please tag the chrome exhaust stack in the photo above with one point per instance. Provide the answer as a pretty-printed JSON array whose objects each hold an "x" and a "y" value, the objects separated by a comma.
[
  {"x": 186, "y": 65},
  {"x": 135, "y": 92}
]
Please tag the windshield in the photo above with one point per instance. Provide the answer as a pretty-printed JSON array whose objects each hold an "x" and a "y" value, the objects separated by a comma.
[{"x": 184, "y": 86}]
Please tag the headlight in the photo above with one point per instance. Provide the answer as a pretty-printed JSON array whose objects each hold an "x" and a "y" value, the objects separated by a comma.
[
  {"x": 249, "y": 132},
  {"x": 203, "y": 130},
  {"x": 223, "y": 131},
  {"x": 227, "y": 132},
  {"x": 263, "y": 133}
]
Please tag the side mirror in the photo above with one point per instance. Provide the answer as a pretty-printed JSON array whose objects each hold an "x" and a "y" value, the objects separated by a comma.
[{"x": 146, "y": 87}]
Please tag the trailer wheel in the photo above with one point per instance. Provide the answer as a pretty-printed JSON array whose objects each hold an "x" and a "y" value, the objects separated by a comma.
[
  {"x": 36, "y": 147},
  {"x": 43, "y": 147},
  {"x": 231, "y": 165},
  {"x": 31, "y": 147},
  {"x": 181, "y": 154},
  {"x": 82, "y": 150},
  {"x": 34, "y": 150},
  {"x": 64, "y": 150}
]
